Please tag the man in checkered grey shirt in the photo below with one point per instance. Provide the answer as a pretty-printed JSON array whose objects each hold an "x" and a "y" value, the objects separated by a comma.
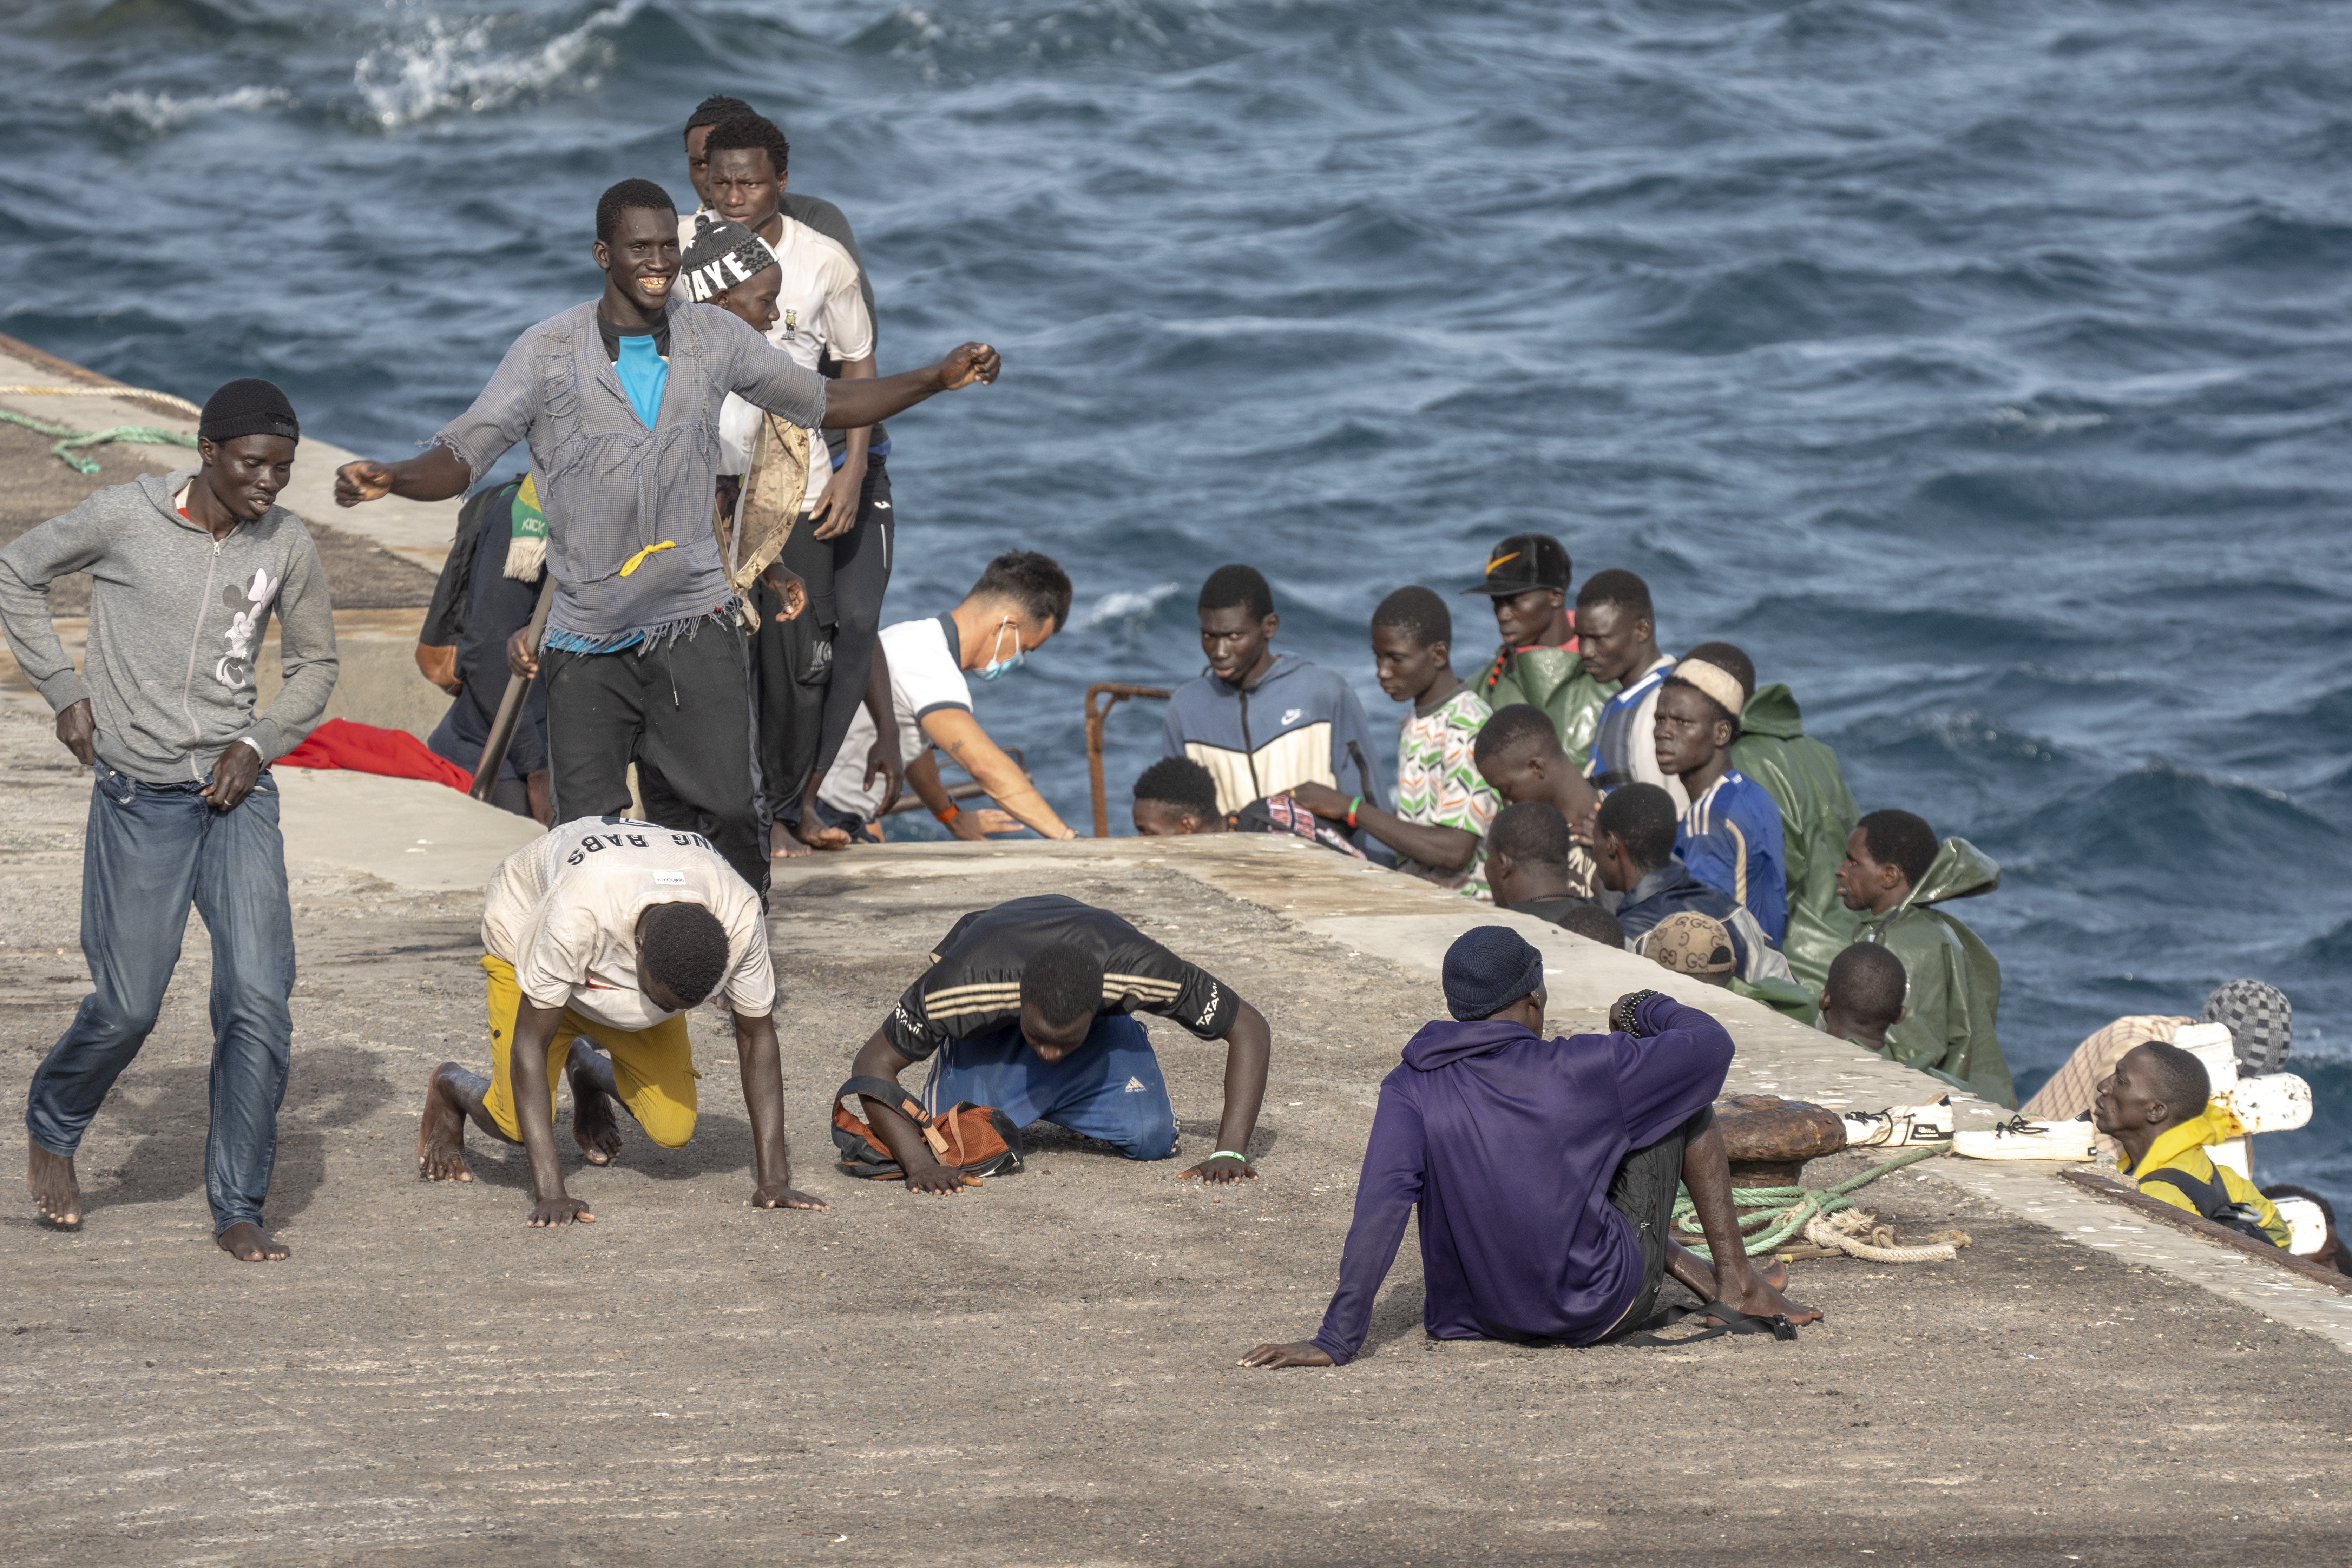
[{"x": 619, "y": 400}]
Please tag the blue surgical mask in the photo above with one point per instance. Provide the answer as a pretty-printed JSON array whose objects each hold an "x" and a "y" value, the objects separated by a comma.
[{"x": 997, "y": 662}]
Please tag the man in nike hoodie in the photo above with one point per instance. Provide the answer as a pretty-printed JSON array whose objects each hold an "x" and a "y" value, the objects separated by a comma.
[
  {"x": 1262, "y": 722},
  {"x": 187, "y": 569},
  {"x": 1544, "y": 1169}
]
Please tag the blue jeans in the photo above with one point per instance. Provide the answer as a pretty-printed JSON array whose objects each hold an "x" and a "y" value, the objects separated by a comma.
[
  {"x": 1109, "y": 1088},
  {"x": 151, "y": 850}
]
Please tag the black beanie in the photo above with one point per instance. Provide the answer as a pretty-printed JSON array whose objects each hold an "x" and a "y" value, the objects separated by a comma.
[
  {"x": 721, "y": 254},
  {"x": 1487, "y": 968},
  {"x": 248, "y": 407}
]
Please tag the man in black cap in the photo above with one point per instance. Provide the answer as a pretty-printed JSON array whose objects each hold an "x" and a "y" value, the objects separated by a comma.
[
  {"x": 187, "y": 570},
  {"x": 1538, "y": 664}
]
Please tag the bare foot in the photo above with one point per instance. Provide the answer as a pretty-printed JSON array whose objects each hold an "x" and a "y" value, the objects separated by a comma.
[
  {"x": 1760, "y": 1298},
  {"x": 50, "y": 1179},
  {"x": 593, "y": 1126},
  {"x": 248, "y": 1243},
  {"x": 1699, "y": 1278},
  {"x": 441, "y": 1133},
  {"x": 782, "y": 845},
  {"x": 811, "y": 832}
]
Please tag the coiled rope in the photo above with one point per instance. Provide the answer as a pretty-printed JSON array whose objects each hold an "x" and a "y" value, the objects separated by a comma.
[
  {"x": 143, "y": 434},
  {"x": 1844, "y": 1234},
  {"x": 1785, "y": 1211}
]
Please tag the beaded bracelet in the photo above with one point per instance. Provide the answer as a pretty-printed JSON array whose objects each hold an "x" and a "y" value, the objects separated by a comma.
[{"x": 1625, "y": 1017}]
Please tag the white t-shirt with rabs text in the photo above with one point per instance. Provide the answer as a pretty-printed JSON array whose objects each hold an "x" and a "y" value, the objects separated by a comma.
[{"x": 563, "y": 911}]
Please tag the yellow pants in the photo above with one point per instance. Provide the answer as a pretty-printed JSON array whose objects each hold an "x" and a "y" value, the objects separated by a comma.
[{"x": 653, "y": 1067}]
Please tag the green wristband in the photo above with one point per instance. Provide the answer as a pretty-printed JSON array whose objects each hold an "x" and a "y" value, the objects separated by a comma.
[{"x": 1229, "y": 1154}]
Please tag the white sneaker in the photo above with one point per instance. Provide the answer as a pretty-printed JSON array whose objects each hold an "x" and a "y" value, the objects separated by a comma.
[
  {"x": 2018, "y": 1139},
  {"x": 1899, "y": 1127}
]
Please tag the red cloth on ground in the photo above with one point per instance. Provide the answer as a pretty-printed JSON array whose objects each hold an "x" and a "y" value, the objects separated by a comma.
[{"x": 365, "y": 748}]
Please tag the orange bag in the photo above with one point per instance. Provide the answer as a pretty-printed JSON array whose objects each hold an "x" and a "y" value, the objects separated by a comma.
[{"x": 979, "y": 1140}]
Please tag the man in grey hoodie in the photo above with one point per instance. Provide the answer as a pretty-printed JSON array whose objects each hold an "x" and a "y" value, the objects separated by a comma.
[{"x": 187, "y": 569}]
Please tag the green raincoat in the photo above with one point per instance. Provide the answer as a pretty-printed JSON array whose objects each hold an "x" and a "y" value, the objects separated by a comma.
[
  {"x": 1554, "y": 680},
  {"x": 1817, "y": 814},
  {"x": 1784, "y": 996},
  {"x": 1954, "y": 993}
]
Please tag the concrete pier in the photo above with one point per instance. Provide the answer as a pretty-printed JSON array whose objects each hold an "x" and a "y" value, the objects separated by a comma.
[{"x": 1041, "y": 1372}]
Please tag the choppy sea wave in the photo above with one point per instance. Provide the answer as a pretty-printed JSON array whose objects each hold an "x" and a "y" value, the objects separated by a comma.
[{"x": 1982, "y": 368}]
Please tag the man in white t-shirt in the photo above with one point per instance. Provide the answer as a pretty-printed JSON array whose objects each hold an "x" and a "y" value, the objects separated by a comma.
[
  {"x": 1016, "y": 608},
  {"x": 607, "y": 932},
  {"x": 815, "y": 673}
]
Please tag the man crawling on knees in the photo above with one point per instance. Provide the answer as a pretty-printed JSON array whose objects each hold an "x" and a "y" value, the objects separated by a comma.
[
  {"x": 1027, "y": 1008},
  {"x": 606, "y": 932},
  {"x": 1545, "y": 1170}
]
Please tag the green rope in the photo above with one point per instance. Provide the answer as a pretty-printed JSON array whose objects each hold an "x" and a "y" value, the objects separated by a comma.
[
  {"x": 142, "y": 435},
  {"x": 1783, "y": 1211}
]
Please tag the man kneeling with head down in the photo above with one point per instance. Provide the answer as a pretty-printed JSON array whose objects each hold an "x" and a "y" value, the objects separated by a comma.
[
  {"x": 1545, "y": 1170},
  {"x": 606, "y": 932},
  {"x": 2154, "y": 1103},
  {"x": 1025, "y": 1008}
]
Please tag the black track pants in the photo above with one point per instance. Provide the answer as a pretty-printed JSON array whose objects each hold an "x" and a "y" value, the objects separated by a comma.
[
  {"x": 682, "y": 712},
  {"x": 861, "y": 576}
]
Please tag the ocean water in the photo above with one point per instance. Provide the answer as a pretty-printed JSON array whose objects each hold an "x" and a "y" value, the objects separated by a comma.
[{"x": 1984, "y": 368}]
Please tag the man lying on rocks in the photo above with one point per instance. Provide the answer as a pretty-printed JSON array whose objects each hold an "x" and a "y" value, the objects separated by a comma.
[
  {"x": 608, "y": 932},
  {"x": 1025, "y": 1008},
  {"x": 1545, "y": 1170}
]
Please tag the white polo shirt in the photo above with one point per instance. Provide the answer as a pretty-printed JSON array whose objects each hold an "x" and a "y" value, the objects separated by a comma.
[
  {"x": 563, "y": 911},
  {"x": 926, "y": 675}
]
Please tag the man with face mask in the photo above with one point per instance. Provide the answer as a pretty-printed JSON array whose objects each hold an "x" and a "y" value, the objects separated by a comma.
[
  {"x": 1026, "y": 1008},
  {"x": 188, "y": 571},
  {"x": 1015, "y": 609}
]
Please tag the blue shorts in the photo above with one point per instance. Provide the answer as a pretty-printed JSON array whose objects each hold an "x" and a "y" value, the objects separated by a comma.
[{"x": 1109, "y": 1088}]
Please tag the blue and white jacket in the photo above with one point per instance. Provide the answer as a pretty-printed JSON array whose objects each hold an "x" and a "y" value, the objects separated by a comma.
[
  {"x": 1299, "y": 725},
  {"x": 1730, "y": 838}
]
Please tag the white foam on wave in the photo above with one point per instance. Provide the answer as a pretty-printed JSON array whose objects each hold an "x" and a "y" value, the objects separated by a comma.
[
  {"x": 1127, "y": 604},
  {"x": 455, "y": 67},
  {"x": 2009, "y": 418},
  {"x": 160, "y": 112}
]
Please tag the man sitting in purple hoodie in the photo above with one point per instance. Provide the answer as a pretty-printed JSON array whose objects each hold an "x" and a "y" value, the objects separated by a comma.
[{"x": 1545, "y": 1169}]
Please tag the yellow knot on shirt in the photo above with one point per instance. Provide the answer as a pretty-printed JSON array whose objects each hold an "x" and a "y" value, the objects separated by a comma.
[{"x": 638, "y": 559}]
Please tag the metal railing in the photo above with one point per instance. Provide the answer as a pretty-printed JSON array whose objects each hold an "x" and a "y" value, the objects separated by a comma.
[{"x": 1118, "y": 692}]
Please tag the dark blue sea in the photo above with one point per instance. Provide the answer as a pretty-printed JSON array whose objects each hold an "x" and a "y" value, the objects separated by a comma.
[{"x": 1984, "y": 368}]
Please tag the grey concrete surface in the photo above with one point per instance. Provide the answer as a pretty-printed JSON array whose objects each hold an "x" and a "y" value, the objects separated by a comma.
[{"x": 1038, "y": 1373}]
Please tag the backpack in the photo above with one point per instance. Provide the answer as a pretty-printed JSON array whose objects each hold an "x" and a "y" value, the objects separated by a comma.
[
  {"x": 979, "y": 1140},
  {"x": 2214, "y": 1203}
]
